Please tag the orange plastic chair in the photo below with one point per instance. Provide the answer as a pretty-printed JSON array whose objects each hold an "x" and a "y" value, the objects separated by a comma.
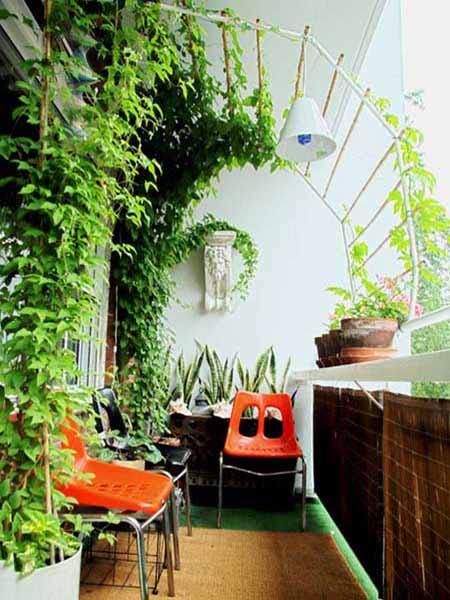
[
  {"x": 125, "y": 490},
  {"x": 239, "y": 445}
]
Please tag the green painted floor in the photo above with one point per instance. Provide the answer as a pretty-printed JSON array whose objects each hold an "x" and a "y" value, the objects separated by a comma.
[{"x": 318, "y": 521}]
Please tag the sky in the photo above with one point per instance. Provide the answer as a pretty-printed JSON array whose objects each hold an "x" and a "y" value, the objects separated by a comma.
[{"x": 426, "y": 63}]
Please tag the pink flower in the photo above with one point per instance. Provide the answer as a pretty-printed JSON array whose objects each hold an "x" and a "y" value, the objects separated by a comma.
[{"x": 418, "y": 311}]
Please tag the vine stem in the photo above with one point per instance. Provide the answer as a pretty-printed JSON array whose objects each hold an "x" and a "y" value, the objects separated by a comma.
[{"x": 226, "y": 55}]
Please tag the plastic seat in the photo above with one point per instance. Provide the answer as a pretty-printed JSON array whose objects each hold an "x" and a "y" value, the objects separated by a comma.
[
  {"x": 260, "y": 446},
  {"x": 175, "y": 458},
  {"x": 285, "y": 446},
  {"x": 113, "y": 487}
]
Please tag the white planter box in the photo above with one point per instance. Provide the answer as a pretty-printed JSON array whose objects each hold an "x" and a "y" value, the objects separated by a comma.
[{"x": 56, "y": 582}]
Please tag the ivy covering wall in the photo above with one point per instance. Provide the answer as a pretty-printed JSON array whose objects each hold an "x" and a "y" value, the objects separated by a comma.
[{"x": 206, "y": 125}]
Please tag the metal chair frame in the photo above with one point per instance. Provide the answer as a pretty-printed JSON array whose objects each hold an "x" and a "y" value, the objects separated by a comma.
[
  {"x": 140, "y": 523},
  {"x": 183, "y": 475},
  {"x": 301, "y": 471}
]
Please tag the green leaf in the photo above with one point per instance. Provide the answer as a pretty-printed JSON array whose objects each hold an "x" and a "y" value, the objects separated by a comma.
[{"x": 28, "y": 189}]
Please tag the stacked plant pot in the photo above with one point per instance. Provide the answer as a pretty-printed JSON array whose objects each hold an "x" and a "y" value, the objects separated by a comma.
[
  {"x": 358, "y": 340},
  {"x": 329, "y": 348},
  {"x": 367, "y": 339}
]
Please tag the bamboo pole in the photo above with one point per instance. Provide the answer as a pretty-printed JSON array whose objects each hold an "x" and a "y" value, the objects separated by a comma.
[
  {"x": 371, "y": 177},
  {"x": 187, "y": 20},
  {"x": 345, "y": 143},
  {"x": 301, "y": 62},
  {"x": 385, "y": 240},
  {"x": 45, "y": 100},
  {"x": 260, "y": 73},
  {"x": 48, "y": 485},
  {"x": 327, "y": 100},
  {"x": 332, "y": 84},
  {"x": 317, "y": 193},
  {"x": 349, "y": 262},
  {"x": 43, "y": 130},
  {"x": 226, "y": 56},
  {"x": 375, "y": 216}
]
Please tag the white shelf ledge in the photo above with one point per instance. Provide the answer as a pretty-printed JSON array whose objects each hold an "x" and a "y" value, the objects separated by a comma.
[{"x": 432, "y": 366}]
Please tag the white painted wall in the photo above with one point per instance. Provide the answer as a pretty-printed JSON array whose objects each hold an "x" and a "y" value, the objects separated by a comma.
[{"x": 300, "y": 245}]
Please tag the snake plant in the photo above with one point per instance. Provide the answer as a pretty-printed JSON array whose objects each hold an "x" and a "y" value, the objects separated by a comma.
[{"x": 272, "y": 376}]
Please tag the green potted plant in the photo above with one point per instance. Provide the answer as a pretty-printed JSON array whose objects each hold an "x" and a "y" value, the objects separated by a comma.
[
  {"x": 369, "y": 323},
  {"x": 186, "y": 379}
]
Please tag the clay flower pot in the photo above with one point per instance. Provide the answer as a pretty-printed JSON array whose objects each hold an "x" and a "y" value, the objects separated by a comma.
[
  {"x": 335, "y": 339},
  {"x": 319, "y": 346},
  {"x": 368, "y": 333},
  {"x": 358, "y": 355}
]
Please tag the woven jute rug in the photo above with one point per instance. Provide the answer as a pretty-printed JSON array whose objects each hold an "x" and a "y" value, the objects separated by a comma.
[{"x": 246, "y": 565}]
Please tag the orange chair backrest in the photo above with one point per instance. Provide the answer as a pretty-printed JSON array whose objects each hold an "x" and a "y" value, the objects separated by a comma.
[
  {"x": 245, "y": 400},
  {"x": 71, "y": 431}
]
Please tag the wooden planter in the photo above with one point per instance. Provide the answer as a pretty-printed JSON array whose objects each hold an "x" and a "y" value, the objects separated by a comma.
[{"x": 205, "y": 437}]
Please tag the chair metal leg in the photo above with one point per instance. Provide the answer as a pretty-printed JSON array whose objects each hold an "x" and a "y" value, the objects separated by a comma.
[
  {"x": 141, "y": 556},
  {"x": 303, "y": 506},
  {"x": 187, "y": 499},
  {"x": 219, "y": 508},
  {"x": 168, "y": 553},
  {"x": 175, "y": 526}
]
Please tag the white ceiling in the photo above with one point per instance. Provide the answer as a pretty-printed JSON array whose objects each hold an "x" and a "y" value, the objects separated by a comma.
[{"x": 340, "y": 26}]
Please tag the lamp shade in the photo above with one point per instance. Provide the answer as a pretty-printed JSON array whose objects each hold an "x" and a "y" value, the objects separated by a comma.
[{"x": 305, "y": 136}]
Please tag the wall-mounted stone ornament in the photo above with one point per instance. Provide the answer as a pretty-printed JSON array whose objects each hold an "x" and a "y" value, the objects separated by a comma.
[{"x": 218, "y": 270}]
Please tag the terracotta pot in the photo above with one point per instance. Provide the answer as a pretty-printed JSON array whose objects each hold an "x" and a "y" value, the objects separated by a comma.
[
  {"x": 335, "y": 337},
  {"x": 329, "y": 361},
  {"x": 358, "y": 355},
  {"x": 326, "y": 345},
  {"x": 319, "y": 345},
  {"x": 368, "y": 333}
]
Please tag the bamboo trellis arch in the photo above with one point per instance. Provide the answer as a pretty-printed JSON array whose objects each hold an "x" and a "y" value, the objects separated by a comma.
[{"x": 365, "y": 102}]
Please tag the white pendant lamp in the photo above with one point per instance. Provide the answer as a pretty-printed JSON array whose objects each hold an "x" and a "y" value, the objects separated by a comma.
[{"x": 305, "y": 136}]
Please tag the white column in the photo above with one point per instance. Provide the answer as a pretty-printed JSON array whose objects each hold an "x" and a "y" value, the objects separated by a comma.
[{"x": 304, "y": 426}]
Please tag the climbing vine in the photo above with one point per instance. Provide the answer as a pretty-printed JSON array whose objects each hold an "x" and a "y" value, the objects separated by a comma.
[
  {"x": 207, "y": 124},
  {"x": 72, "y": 177},
  {"x": 389, "y": 297}
]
